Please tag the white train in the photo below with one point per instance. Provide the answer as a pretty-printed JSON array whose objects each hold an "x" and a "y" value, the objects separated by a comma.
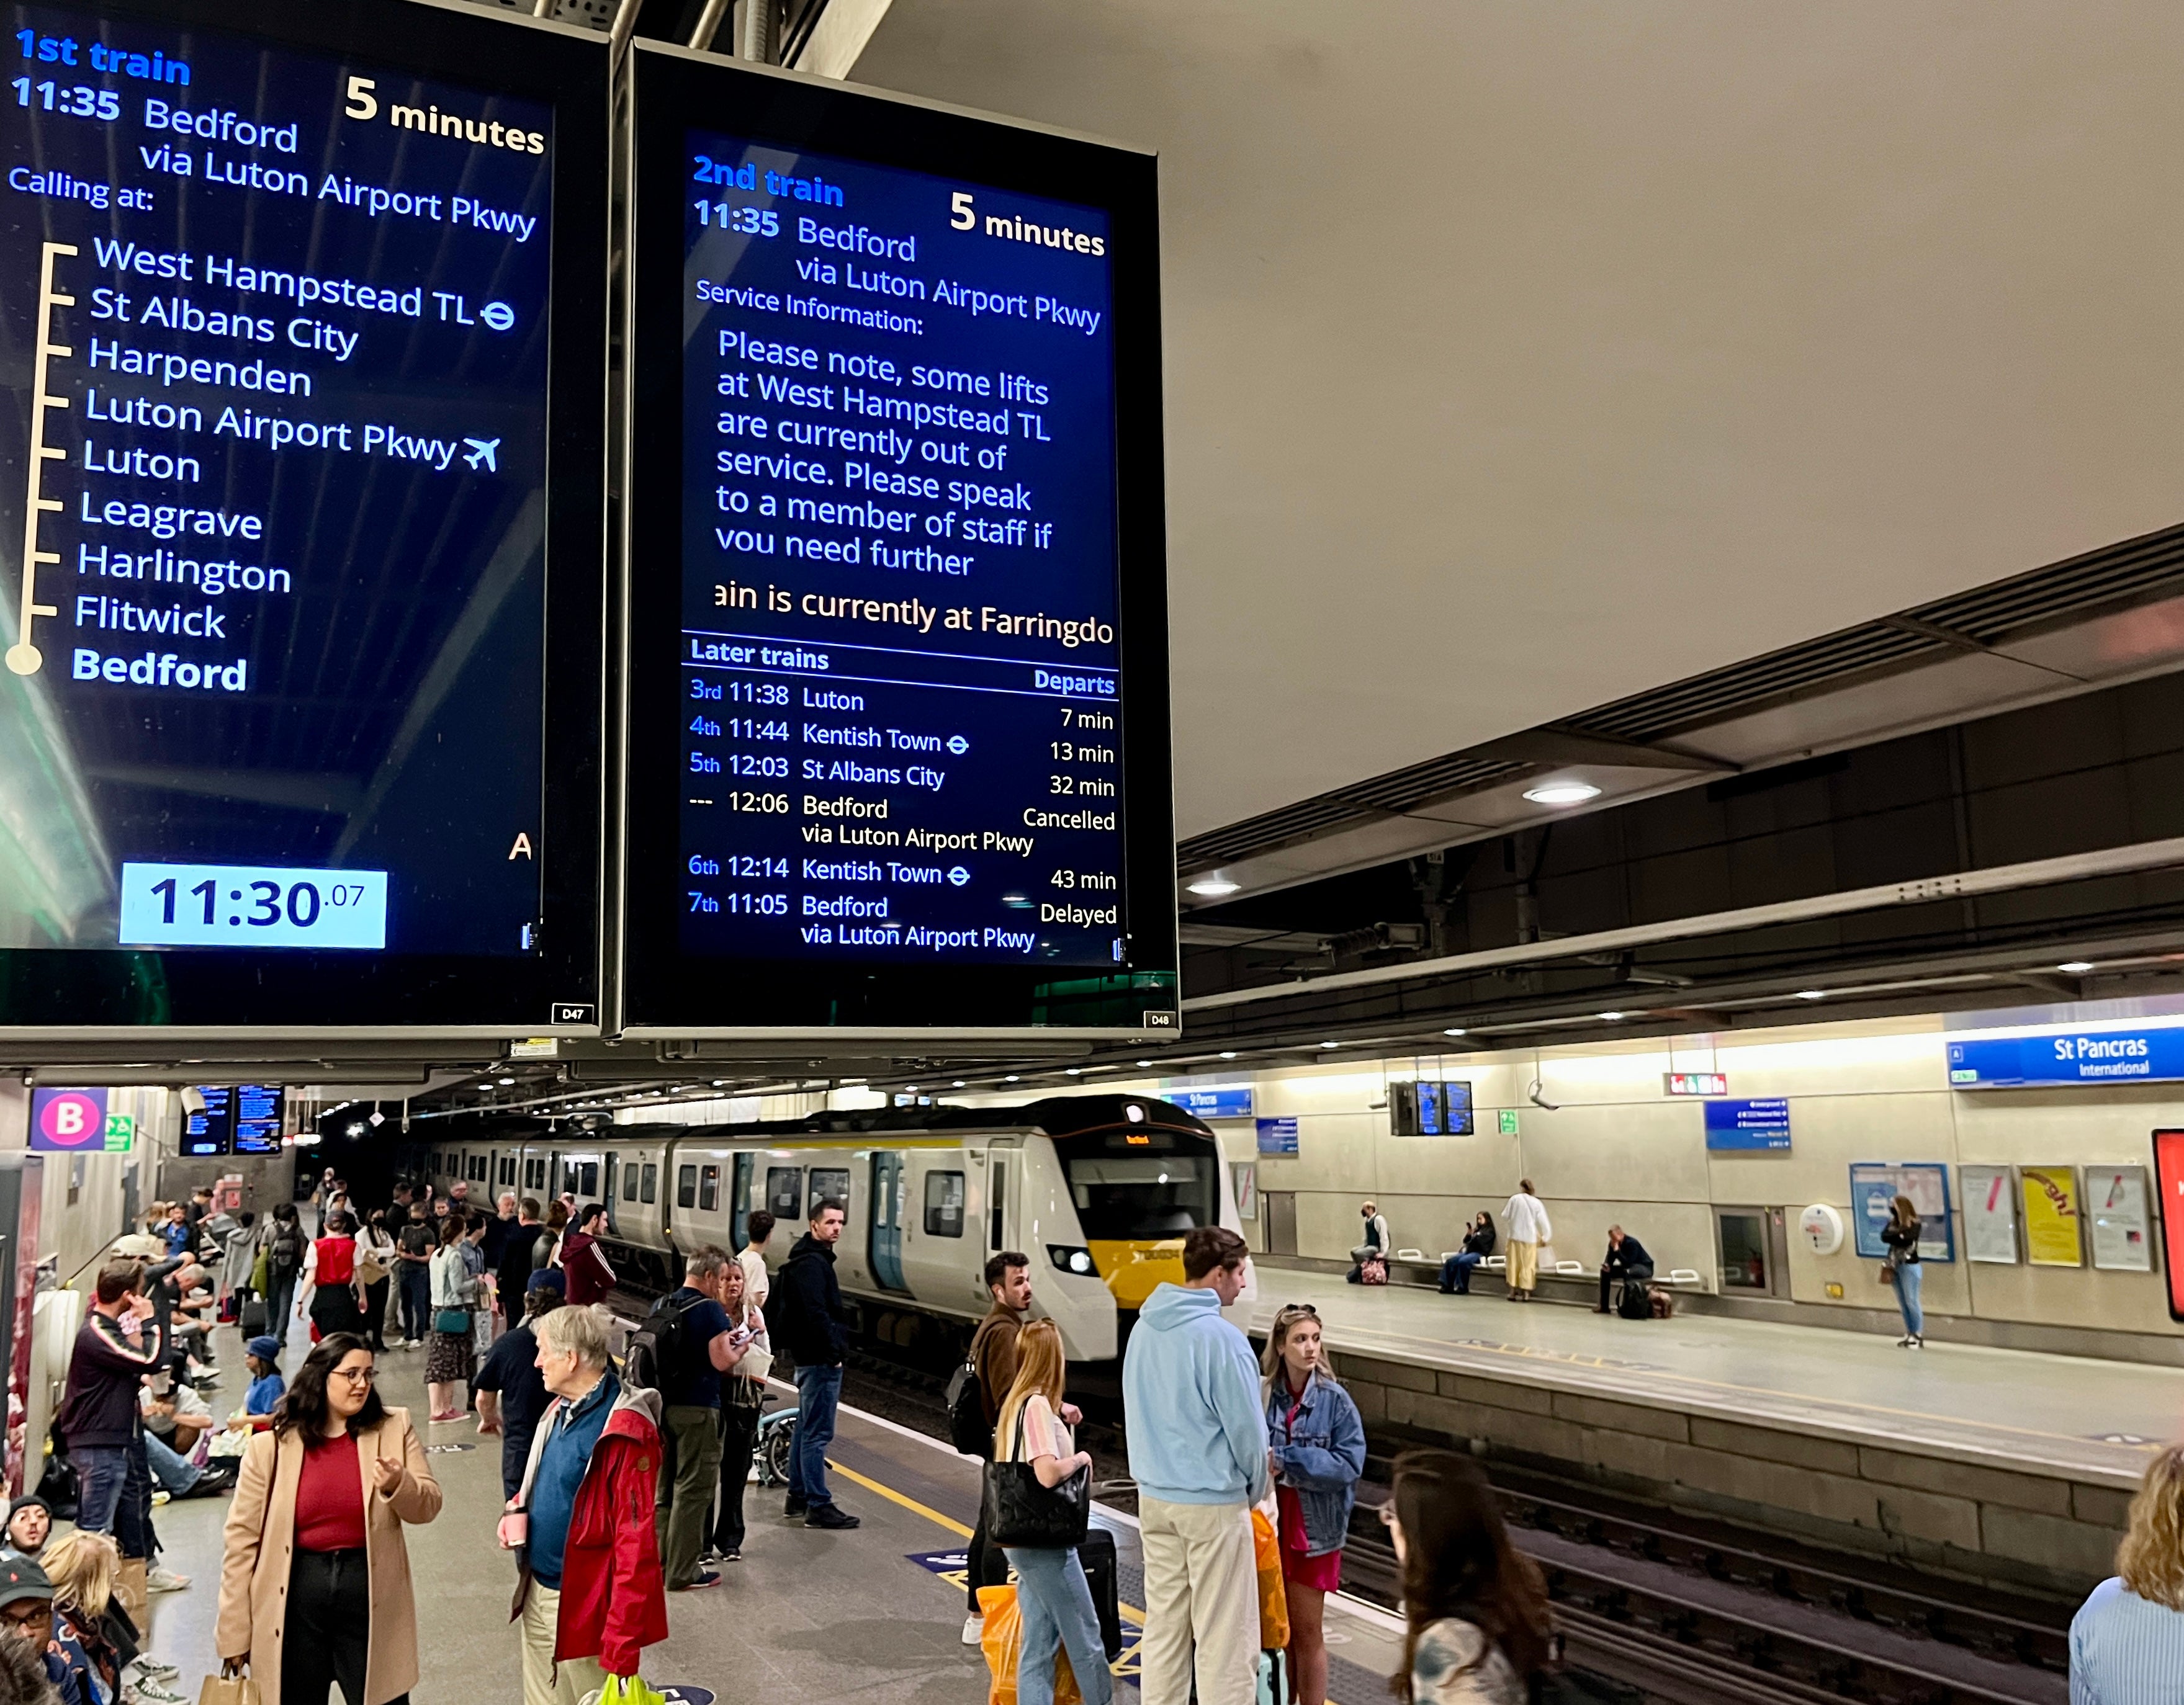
[{"x": 1097, "y": 1189}]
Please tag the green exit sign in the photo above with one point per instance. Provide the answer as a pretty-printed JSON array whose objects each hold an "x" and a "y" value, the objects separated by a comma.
[
  {"x": 1506, "y": 1120},
  {"x": 121, "y": 1133}
]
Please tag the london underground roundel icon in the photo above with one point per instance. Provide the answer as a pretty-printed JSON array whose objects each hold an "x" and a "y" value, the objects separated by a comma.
[{"x": 71, "y": 1119}]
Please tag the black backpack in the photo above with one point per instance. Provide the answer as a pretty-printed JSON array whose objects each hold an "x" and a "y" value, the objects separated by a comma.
[
  {"x": 285, "y": 1251},
  {"x": 1636, "y": 1301},
  {"x": 968, "y": 1429},
  {"x": 657, "y": 1349}
]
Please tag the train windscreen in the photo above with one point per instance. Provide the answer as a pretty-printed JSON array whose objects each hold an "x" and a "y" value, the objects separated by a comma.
[{"x": 1135, "y": 1184}]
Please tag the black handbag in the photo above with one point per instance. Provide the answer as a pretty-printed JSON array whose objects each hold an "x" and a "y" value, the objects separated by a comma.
[{"x": 1020, "y": 1511}]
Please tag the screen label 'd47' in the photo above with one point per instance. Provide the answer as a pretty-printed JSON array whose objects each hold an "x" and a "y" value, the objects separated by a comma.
[{"x": 239, "y": 905}]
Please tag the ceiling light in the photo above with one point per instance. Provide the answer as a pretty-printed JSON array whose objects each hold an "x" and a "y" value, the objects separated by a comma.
[
  {"x": 960, "y": 1083},
  {"x": 1144, "y": 1063},
  {"x": 1072, "y": 1071},
  {"x": 1330, "y": 1045},
  {"x": 505, "y": 1081},
  {"x": 1458, "y": 1030},
  {"x": 1613, "y": 1016},
  {"x": 1215, "y": 887},
  {"x": 1812, "y": 994},
  {"x": 1227, "y": 1053},
  {"x": 1013, "y": 1078},
  {"x": 1562, "y": 793},
  {"x": 2076, "y": 967}
]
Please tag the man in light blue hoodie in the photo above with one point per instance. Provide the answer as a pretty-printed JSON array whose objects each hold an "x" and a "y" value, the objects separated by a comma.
[{"x": 1198, "y": 1452}]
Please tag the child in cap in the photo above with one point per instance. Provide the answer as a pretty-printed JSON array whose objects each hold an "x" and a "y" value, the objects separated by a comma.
[{"x": 262, "y": 1356}]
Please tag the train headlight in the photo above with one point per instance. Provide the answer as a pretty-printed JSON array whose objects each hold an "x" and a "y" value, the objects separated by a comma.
[{"x": 1070, "y": 1259}]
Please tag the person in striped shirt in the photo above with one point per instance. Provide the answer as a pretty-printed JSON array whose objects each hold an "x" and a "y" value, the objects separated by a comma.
[{"x": 2127, "y": 1639}]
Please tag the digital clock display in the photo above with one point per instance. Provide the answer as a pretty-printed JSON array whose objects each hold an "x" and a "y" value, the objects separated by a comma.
[
  {"x": 917, "y": 646},
  {"x": 282, "y": 326}
]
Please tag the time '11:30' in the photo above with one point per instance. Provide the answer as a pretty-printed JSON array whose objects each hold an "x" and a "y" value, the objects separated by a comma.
[{"x": 300, "y": 905}]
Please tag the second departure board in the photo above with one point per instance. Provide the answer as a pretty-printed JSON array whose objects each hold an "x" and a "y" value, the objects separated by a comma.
[{"x": 898, "y": 665}]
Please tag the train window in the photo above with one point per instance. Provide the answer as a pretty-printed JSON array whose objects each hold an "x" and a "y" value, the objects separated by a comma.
[
  {"x": 629, "y": 1184},
  {"x": 831, "y": 1181},
  {"x": 709, "y": 1188},
  {"x": 651, "y": 1180},
  {"x": 944, "y": 1204},
  {"x": 1149, "y": 1195},
  {"x": 590, "y": 1188},
  {"x": 784, "y": 1193},
  {"x": 686, "y": 1186}
]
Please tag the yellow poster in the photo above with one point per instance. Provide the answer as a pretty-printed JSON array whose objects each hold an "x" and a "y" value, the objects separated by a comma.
[{"x": 2050, "y": 1194}]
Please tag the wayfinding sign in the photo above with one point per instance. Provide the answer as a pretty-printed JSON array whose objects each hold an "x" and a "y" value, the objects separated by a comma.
[
  {"x": 302, "y": 341},
  {"x": 897, "y": 654}
]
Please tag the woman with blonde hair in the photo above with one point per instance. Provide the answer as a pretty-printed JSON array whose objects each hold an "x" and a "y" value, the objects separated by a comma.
[
  {"x": 83, "y": 1569},
  {"x": 1901, "y": 1234},
  {"x": 1317, "y": 1441},
  {"x": 2127, "y": 1639},
  {"x": 1052, "y": 1595}
]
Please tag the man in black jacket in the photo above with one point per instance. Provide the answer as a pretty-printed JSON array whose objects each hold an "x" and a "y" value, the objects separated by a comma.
[
  {"x": 1626, "y": 1260},
  {"x": 123, "y": 1338},
  {"x": 806, "y": 1316}
]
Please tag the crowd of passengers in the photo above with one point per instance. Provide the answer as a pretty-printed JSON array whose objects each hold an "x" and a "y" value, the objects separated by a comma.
[{"x": 619, "y": 1493}]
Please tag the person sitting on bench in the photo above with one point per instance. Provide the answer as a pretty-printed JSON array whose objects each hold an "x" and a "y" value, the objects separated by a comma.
[
  {"x": 1626, "y": 1261},
  {"x": 1375, "y": 1247},
  {"x": 1477, "y": 1245}
]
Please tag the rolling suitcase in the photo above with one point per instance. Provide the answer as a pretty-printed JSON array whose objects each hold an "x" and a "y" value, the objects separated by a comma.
[
  {"x": 251, "y": 1316},
  {"x": 1097, "y": 1554}
]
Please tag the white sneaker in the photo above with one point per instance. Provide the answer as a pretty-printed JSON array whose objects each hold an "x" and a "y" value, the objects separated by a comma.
[
  {"x": 147, "y": 1692},
  {"x": 153, "y": 1667},
  {"x": 974, "y": 1629},
  {"x": 1915, "y": 1341},
  {"x": 165, "y": 1580}
]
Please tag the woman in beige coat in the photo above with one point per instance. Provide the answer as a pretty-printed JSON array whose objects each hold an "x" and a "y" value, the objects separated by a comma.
[{"x": 314, "y": 1585}]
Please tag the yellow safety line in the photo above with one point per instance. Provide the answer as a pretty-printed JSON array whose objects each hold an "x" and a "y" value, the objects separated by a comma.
[
  {"x": 1517, "y": 1352},
  {"x": 1130, "y": 1611}
]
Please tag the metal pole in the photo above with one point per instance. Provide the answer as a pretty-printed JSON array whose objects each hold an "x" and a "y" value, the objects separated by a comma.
[
  {"x": 544, "y": 8},
  {"x": 624, "y": 27},
  {"x": 709, "y": 24},
  {"x": 758, "y": 43}
]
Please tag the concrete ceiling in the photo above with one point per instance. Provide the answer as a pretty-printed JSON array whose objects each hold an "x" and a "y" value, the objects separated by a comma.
[{"x": 1521, "y": 356}]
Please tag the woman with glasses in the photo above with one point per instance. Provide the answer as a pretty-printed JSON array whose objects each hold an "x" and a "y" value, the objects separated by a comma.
[
  {"x": 1477, "y": 1630},
  {"x": 1318, "y": 1442},
  {"x": 314, "y": 1584}
]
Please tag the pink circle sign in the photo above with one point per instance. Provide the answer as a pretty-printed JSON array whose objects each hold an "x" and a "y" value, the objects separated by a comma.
[{"x": 72, "y": 1120}]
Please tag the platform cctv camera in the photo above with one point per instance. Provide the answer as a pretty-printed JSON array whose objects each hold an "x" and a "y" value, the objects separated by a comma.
[{"x": 193, "y": 1101}]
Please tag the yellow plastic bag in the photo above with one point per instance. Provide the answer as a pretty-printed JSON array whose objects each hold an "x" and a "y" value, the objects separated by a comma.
[
  {"x": 1273, "y": 1598},
  {"x": 1003, "y": 1642},
  {"x": 630, "y": 1689}
]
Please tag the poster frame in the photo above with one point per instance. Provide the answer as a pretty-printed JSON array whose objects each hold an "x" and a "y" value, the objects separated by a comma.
[{"x": 2025, "y": 1175}]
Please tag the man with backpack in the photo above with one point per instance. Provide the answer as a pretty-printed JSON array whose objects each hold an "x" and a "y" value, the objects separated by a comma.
[
  {"x": 684, "y": 1347},
  {"x": 285, "y": 1245},
  {"x": 809, "y": 1319},
  {"x": 415, "y": 1244}
]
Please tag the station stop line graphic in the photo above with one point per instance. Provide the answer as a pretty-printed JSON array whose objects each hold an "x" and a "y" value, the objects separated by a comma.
[{"x": 23, "y": 657}]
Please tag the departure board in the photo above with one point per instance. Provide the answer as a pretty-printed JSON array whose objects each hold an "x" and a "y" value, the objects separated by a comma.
[
  {"x": 280, "y": 339},
  {"x": 915, "y": 629}
]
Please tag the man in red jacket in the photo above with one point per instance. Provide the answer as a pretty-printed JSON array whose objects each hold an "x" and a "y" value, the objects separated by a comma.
[{"x": 591, "y": 1595}]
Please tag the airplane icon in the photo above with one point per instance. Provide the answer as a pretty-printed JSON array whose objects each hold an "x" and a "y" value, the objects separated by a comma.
[{"x": 482, "y": 452}]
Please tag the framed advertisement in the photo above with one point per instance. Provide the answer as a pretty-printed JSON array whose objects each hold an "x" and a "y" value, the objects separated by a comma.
[
  {"x": 1875, "y": 1185},
  {"x": 2119, "y": 1214},
  {"x": 2169, "y": 1176},
  {"x": 1990, "y": 1215},
  {"x": 2053, "y": 1219}
]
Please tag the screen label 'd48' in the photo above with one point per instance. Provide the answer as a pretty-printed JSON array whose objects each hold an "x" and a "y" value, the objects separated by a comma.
[{"x": 239, "y": 905}]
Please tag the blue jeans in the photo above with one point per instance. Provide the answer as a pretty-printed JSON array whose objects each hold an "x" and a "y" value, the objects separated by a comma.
[
  {"x": 175, "y": 1475},
  {"x": 281, "y": 1303},
  {"x": 101, "y": 1472},
  {"x": 1056, "y": 1601},
  {"x": 1455, "y": 1272},
  {"x": 1908, "y": 1281},
  {"x": 416, "y": 1300},
  {"x": 818, "y": 1391}
]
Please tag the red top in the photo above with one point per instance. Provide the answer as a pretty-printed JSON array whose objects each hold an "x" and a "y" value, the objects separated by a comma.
[
  {"x": 584, "y": 1269},
  {"x": 336, "y": 1260},
  {"x": 330, "y": 1497}
]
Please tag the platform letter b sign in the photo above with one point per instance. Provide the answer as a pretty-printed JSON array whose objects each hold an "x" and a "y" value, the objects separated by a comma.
[{"x": 64, "y": 1119}]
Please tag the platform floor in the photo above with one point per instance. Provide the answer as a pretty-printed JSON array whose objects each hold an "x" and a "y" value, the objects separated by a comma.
[
  {"x": 872, "y": 1614},
  {"x": 2065, "y": 1415}
]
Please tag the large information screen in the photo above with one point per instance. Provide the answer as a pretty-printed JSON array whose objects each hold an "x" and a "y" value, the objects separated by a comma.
[
  {"x": 910, "y": 609},
  {"x": 297, "y": 341}
]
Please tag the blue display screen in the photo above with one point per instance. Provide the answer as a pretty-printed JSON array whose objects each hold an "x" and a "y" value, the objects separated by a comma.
[
  {"x": 274, "y": 336},
  {"x": 901, "y": 692}
]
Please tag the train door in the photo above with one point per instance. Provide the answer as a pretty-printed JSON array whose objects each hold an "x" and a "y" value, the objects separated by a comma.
[
  {"x": 739, "y": 1199},
  {"x": 941, "y": 1233},
  {"x": 612, "y": 1197},
  {"x": 889, "y": 1191}
]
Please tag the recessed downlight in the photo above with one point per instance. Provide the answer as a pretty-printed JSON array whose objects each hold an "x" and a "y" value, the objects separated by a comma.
[
  {"x": 1215, "y": 887},
  {"x": 1812, "y": 994},
  {"x": 1562, "y": 793},
  {"x": 1455, "y": 1031},
  {"x": 1613, "y": 1016},
  {"x": 1227, "y": 1053},
  {"x": 2076, "y": 967},
  {"x": 1330, "y": 1045}
]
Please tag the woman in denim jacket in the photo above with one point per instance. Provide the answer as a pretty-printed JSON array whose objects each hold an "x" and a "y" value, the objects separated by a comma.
[{"x": 1317, "y": 1443}]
